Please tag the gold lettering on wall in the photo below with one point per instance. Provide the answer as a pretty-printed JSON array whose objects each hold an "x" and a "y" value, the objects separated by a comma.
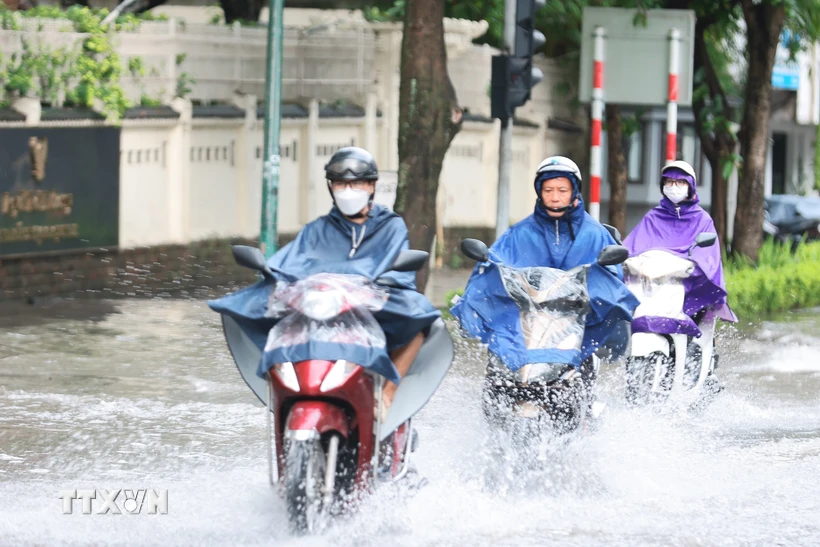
[
  {"x": 38, "y": 234},
  {"x": 36, "y": 201}
]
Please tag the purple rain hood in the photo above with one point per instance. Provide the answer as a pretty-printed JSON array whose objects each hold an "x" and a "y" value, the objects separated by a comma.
[{"x": 673, "y": 228}]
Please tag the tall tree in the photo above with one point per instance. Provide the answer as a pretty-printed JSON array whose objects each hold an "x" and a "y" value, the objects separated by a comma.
[
  {"x": 561, "y": 23},
  {"x": 429, "y": 118},
  {"x": 764, "y": 23},
  {"x": 617, "y": 173},
  {"x": 761, "y": 23},
  {"x": 712, "y": 103}
]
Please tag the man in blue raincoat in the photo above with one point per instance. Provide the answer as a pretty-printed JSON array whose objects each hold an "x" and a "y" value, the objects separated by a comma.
[
  {"x": 356, "y": 237},
  {"x": 559, "y": 234}
]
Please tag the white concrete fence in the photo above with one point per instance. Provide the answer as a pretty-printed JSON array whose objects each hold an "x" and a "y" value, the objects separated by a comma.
[
  {"x": 187, "y": 177},
  {"x": 190, "y": 178}
]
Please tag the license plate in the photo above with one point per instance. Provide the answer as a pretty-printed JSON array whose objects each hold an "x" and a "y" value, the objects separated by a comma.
[{"x": 527, "y": 410}]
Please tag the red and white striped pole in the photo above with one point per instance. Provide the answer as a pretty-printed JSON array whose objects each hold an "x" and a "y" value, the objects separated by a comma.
[
  {"x": 672, "y": 106},
  {"x": 597, "y": 115}
]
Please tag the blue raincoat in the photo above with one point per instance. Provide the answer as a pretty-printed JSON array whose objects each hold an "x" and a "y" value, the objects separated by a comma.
[
  {"x": 488, "y": 313},
  {"x": 333, "y": 244}
]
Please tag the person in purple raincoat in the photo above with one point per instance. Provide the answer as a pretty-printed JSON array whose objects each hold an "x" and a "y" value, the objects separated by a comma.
[{"x": 673, "y": 226}]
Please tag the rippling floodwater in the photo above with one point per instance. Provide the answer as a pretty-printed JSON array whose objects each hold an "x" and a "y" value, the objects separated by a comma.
[{"x": 143, "y": 394}]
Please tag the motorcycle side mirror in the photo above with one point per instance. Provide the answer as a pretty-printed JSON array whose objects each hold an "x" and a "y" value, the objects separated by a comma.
[
  {"x": 251, "y": 257},
  {"x": 475, "y": 249},
  {"x": 705, "y": 239},
  {"x": 614, "y": 232},
  {"x": 612, "y": 255},
  {"x": 410, "y": 261}
]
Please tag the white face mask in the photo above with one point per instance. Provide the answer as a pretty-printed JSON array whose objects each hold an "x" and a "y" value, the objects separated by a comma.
[
  {"x": 350, "y": 201},
  {"x": 676, "y": 194}
]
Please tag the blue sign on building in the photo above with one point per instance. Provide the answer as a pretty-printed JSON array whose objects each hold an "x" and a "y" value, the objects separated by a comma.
[
  {"x": 786, "y": 73},
  {"x": 785, "y": 78}
]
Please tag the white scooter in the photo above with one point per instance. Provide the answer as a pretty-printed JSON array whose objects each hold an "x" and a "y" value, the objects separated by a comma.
[{"x": 663, "y": 365}]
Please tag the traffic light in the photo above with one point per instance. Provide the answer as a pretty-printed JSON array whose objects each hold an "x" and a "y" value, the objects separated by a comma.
[
  {"x": 527, "y": 39},
  {"x": 514, "y": 76}
]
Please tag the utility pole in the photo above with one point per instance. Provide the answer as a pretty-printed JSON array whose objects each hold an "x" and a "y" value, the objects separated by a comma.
[
  {"x": 273, "y": 118},
  {"x": 502, "y": 215}
]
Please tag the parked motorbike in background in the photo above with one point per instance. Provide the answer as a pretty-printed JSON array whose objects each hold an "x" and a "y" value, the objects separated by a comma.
[
  {"x": 327, "y": 442},
  {"x": 790, "y": 219}
]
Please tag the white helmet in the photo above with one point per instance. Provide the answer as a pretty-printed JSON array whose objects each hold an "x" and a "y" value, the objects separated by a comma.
[
  {"x": 683, "y": 166},
  {"x": 560, "y": 164}
]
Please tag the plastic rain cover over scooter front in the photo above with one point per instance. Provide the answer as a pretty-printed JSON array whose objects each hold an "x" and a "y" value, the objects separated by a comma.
[
  {"x": 553, "y": 305},
  {"x": 656, "y": 278},
  {"x": 329, "y": 317}
]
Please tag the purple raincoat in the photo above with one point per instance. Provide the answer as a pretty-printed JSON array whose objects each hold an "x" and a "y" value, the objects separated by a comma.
[{"x": 673, "y": 228}]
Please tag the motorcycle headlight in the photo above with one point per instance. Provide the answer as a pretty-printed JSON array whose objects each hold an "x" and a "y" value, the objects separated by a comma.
[
  {"x": 287, "y": 375},
  {"x": 322, "y": 305},
  {"x": 337, "y": 375}
]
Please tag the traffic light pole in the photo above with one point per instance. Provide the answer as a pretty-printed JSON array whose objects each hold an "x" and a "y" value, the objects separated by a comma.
[
  {"x": 273, "y": 118},
  {"x": 502, "y": 217}
]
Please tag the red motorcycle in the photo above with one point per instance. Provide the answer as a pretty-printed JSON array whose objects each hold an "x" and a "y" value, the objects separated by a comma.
[{"x": 330, "y": 444}]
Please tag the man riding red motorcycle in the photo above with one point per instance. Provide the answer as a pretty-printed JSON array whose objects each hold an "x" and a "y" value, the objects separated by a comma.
[{"x": 329, "y": 335}]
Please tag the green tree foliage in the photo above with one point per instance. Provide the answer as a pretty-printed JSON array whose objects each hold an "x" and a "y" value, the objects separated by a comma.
[
  {"x": 83, "y": 74},
  {"x": 744, "y": 34}
]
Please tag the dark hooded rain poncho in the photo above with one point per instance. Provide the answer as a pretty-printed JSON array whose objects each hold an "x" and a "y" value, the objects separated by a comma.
[
  {"x": 334, "y": 244},
  {"x": 487, "y": 312}
]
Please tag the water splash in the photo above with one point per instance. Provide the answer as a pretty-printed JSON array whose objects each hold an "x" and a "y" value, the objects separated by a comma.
[{"x": 144, "y": 395}]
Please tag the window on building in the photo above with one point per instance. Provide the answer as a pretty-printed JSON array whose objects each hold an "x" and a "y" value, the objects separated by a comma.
[{"x": 633, "y": 150}]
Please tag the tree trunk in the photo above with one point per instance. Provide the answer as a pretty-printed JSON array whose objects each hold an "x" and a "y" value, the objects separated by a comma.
[
  {"x": 716, "y": 153},
  {"x": 720, "y": 195},
  {"x": 617, "y": 167},
  {"x": 241, "y": 10},
  {"x": 716, "y": 145},
  {"x": 148, "y": 5},
  {"x": 429, "y": 118},
  {"x": 764, "y": 23}
]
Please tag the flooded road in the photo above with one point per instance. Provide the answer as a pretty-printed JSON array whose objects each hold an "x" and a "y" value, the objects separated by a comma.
[{"x": 143, "y": 394}]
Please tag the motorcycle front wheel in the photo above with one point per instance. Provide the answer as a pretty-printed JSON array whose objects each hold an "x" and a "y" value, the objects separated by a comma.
[
  {"x": 644, "y": 374},
  {"x": 305, "y": 464}
]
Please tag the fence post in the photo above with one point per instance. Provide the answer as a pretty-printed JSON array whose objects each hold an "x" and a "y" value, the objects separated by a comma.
[{"x": 237, "y": 54}]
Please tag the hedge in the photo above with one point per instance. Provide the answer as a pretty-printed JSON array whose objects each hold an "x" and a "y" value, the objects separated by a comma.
[{"x": 782, "y": 280}]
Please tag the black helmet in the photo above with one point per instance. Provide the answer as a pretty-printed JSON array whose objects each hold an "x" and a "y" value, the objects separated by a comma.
[{"x": 352, "y": 163}]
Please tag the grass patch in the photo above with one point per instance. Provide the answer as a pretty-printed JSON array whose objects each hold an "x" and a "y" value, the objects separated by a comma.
[{"x": 446, "y": 305}]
